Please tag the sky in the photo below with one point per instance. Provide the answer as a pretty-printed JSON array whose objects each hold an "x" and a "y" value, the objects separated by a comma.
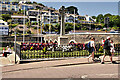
[{"x": 87, "y": 8}]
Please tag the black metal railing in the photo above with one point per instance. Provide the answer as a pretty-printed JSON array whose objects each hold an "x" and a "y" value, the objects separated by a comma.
[{"x": 47, "y": 51}]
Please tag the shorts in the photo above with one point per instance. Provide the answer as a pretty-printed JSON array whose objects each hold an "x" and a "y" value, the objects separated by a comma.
[
  {"x": 92, "y": 49},
  {"x": 107, "y": 52}
]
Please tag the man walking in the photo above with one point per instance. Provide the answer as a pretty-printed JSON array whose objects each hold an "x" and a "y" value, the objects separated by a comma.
[{"x": 107, "y": 50}]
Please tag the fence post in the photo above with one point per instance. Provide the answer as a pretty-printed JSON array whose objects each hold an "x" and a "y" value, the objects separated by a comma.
[
  {"x": 20, "y": 51},
  {"x": 15, "y": 46}
]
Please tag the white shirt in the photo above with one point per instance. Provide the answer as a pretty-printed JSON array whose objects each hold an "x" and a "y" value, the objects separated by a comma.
[
  {"x": 102, "y": 41},
  {"x": 92, "y": 43},
  {"x": 9, "y": 50}
]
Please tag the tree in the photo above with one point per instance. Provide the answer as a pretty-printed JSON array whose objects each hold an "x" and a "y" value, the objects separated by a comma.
[
  {"x": 57, "y": 26},
  {"x": 6, "y": 17},
  {"x": 100, "y": 18},
  {"x": 94, "y": 17},
  {"x": 115, "y": 20},
  {"x": 70, "y": 10},
  {"x": 78, "y": 26},
  {"x": 28, "y": 2},
  {"x": 34, "y": 2},
  {"x": 41, "y": 4},
  {"x": 68, "y": 27},
  {"x": 107, "y": 15}
]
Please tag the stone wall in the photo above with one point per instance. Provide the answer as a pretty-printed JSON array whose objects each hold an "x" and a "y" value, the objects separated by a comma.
[{"x": 82, "y": 38}]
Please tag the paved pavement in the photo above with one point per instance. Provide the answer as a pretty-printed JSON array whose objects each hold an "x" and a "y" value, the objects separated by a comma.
[{"x": 69, "y": 68}]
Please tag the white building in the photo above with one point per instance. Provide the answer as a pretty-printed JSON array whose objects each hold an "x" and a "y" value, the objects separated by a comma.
[
  {"x": 26, "y": 6},
  {"x": 9, "y": 6},
  {"x": 89, "y": 18},
  {"x": 79, "y": 19},
  {"x": 46, "y": 16},
  {"x": 4, "y": 29}
]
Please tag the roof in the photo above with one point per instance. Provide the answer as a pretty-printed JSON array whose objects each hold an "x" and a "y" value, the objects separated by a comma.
[{"x": 27, "y": 4}]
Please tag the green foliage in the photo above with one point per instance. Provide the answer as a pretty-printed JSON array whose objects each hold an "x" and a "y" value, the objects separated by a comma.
[
  {"x": 101, "y": 49},
  {"x": 84, "y": 28},
  {"x": 100, "y": 18},
  {"x": 107, "y": 15},
  {"x": 13, "y": 25},
  {"x": 68, "y": 27},
  {"x": 21, "y": 12},
  {"x": 28, "y": 2},
  {"x": 34, "y": 23},
  {"x": 6, "y": 17},
  {"x": 34, "y": 2},
  {"x": 70, "y": 10},
  {"x": 28, "y": 24},
  {"x": 114, "y": 20},
  {"x": 94, "y": 17},
  {"x": 57, "y": 27},
  {"x": 41, "y": 4},
  {"x": 115, "y": 28}
]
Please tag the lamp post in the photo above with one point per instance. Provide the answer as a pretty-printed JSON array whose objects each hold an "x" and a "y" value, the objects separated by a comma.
[
  {"x": 38, "y": 25},
  {"x": 15, "y": 45},
  {"x": 74, "y": 24},
  {"x": 49, "y": 23},
  {"x": 24, "y": 26}
]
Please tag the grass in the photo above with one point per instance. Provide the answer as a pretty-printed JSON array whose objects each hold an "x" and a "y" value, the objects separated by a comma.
[{"x": 1, "y": 48}]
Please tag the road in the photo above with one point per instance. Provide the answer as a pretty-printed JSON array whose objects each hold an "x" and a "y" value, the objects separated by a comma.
[{"x": 71, "y": 68}]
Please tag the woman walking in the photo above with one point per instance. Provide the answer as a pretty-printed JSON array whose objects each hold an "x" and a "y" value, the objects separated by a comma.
[{"x": 92, "y": 48}]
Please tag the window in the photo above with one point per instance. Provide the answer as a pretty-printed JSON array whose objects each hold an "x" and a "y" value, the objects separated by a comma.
[
  {"x": 6, "y": 28},
  {"x": 2, "y": 24},
  {"x": 20, "y": 27},
  {"x": 8, "y": 5}
]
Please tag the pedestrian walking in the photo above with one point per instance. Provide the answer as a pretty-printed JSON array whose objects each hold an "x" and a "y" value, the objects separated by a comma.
[
  {"x": 103, "y": 41},
  {"x": 107, "y": 47},
  {"x": 112, "y": 50},
  {"x": 8, "y": 51},
  {"x": 92, "y": 48}
]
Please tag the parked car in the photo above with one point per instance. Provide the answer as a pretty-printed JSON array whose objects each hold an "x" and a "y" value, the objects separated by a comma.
[{"x": 114, "y": 32}]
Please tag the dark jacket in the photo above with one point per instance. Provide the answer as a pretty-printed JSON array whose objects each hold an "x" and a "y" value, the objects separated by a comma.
[{"x": 107, "y": 44}]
